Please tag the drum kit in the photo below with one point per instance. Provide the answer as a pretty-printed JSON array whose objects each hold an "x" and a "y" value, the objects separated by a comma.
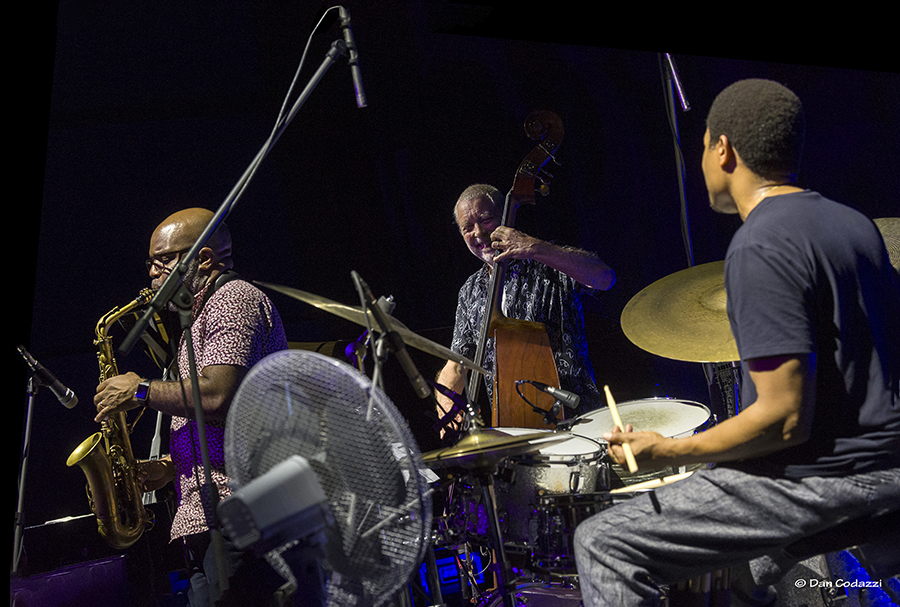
[{"x": 519, "y": 493}]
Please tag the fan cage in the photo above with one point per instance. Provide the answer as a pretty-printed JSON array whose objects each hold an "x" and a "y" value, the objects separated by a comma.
[{"x": 297, "y": 402}]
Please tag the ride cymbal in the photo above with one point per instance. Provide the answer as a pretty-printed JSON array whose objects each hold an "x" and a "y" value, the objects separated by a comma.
[
  {"x": 890, "y": 232},
  {"x": 683, "y": 316}
]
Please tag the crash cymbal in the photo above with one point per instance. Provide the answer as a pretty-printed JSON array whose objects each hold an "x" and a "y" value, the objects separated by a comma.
[
  {"x": 890, "y": 232},
  {"x": 359, "y": 317},
  {"x": 683, "y": 316},
  {"x": 487, "y": 447}
]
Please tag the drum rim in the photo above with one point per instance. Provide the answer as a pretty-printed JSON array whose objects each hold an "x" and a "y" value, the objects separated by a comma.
[
  {"x": 624, "y": 404},
  {"x": 538, "y": 457}
]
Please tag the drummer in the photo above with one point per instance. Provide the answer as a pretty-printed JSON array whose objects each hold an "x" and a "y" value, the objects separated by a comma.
[
  {"x": 812, "y": 302},
  {"x": 543, "y": 284}
]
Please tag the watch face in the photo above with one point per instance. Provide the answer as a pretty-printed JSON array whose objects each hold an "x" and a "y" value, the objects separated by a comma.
[{"x": 141, "y": 392}]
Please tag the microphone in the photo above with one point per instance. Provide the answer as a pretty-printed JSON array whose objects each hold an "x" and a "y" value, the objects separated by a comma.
[
  {"x": 354, "y": 57},
  {"x": 569, "y": 399},
  {"x": 45, "y": 378},
  {"x": 395, "y": 341}
]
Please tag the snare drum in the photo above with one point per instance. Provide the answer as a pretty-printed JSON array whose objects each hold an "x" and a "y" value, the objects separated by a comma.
[
  {"x": 568, "y": 467},
  {"x": 670, "y": 417}
]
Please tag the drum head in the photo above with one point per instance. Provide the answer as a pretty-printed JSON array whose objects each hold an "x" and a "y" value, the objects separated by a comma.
[
  {"x": 572, "y": 447},
  {"x": 669, "y": 417}
]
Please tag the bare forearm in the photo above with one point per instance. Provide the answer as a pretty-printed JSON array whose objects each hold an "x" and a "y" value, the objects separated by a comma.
[
  {"x": 780, "y": 418},
  {"x": 217, "y": 386},
  {"x": 585, "y": 267},
  {"x": 177, "y": 398},
  {"x": 751, "y": 434},
  {"x": 452, "y": 376}
]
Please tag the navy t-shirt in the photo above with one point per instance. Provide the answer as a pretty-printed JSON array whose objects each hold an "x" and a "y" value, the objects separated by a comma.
[{"x": 805, "y": 274}]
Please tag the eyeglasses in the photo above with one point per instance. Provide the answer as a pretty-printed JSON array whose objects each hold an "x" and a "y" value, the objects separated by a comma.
[{"x": 164, "y": 260}]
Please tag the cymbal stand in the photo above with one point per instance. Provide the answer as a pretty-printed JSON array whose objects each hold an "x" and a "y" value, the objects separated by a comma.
[{"x": 506, "y": 581}]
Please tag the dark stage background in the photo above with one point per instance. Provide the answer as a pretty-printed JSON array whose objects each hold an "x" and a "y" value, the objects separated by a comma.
[{"x": 149, "y": 108}]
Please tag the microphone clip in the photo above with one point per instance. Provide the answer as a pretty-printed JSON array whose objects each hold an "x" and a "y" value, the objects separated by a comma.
[{"x": 551, "y": 415}]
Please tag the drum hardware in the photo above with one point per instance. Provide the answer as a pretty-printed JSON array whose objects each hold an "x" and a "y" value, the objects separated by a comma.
[
  {"x": 556, "y": 518},
  {"x": 562, "y": 397},
  {"x": 358, "y": 316},
  {"x": 713, "y": 589},
  {"x": 479, "y": 454}
]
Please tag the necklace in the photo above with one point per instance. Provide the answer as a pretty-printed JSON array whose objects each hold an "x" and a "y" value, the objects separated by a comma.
[{"x": 769, "y": 190}]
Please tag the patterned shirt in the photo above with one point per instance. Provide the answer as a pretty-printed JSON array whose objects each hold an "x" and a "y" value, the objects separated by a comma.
[
  {"x": 237, "y": 326},
  {"x": 534, "y": 292}
]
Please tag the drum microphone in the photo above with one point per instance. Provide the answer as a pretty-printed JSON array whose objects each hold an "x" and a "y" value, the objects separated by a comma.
[
  {"x": 45, "y": 378},
  {"x": 344, "y": 16},
  {"x": 569, "y": 399}
]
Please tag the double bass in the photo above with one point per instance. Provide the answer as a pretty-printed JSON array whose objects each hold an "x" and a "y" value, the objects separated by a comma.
[{"x": 521, "y": 348}]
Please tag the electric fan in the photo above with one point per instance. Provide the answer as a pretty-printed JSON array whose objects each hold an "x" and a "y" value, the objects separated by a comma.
[{"x": 302, "y": 403}]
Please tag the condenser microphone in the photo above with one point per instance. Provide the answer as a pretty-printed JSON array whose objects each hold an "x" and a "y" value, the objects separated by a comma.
[
  {"x": 65, "y": 395},
  {"x": 354, "y": 57},
  {"x": 569, "y": 399}
]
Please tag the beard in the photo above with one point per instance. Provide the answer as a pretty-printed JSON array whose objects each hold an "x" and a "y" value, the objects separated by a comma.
[{"x": 192, "y": 280}]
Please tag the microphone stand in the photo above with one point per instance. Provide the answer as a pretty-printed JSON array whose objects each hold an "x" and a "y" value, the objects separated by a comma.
[
  {"x": 671, "y": 80},
  {"x": 173, "y": 290},
  {"x": 714, "y": 372},
  {"x": 30, "y": 391}
]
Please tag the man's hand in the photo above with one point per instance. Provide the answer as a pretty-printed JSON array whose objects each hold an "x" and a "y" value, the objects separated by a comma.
[
  {"x": 155, "y": 474},
  {"x": 510, "y": 243},
  {"x": 584, "y": 266},
  {"x": 116, "y": 395},
  {"x": 643, "y": 444}
]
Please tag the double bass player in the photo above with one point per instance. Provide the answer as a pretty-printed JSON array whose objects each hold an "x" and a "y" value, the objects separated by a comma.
[{"x": 543, "y": 284}]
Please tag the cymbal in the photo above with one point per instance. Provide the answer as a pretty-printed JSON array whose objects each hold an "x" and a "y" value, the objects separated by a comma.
[
  {"x": 487, "y": 447},
  {"x": 683, "y": 316},
  {"x": 355, "y": 314},
  {"x": 890, "y": 232}
]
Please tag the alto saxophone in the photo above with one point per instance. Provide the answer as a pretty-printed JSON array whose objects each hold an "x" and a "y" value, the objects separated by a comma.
[{"x": 106, "y": 457}]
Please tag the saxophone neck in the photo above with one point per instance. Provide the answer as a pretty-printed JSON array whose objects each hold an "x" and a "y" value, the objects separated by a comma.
[{"x": 103, "y": 341}]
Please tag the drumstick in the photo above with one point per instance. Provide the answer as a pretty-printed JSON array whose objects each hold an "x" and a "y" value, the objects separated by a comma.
[
  {"x": 652, "y": 484},
  {"x": 629, "y": 454}
]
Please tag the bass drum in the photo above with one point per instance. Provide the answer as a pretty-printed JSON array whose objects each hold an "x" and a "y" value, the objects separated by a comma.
[
  {"x": 542, "y": 595},
  {"x": 670, "y": 417}
]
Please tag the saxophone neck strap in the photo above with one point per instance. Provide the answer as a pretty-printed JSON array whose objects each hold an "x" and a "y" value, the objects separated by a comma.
[{"x": 220, "y": 280}]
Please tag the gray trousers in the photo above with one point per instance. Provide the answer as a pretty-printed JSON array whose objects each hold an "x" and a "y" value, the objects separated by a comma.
[{"x": 714, "y": 519}]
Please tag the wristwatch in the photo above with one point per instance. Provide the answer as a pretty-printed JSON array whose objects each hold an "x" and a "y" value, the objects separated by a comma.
[{"x": 143, "y": 391}]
